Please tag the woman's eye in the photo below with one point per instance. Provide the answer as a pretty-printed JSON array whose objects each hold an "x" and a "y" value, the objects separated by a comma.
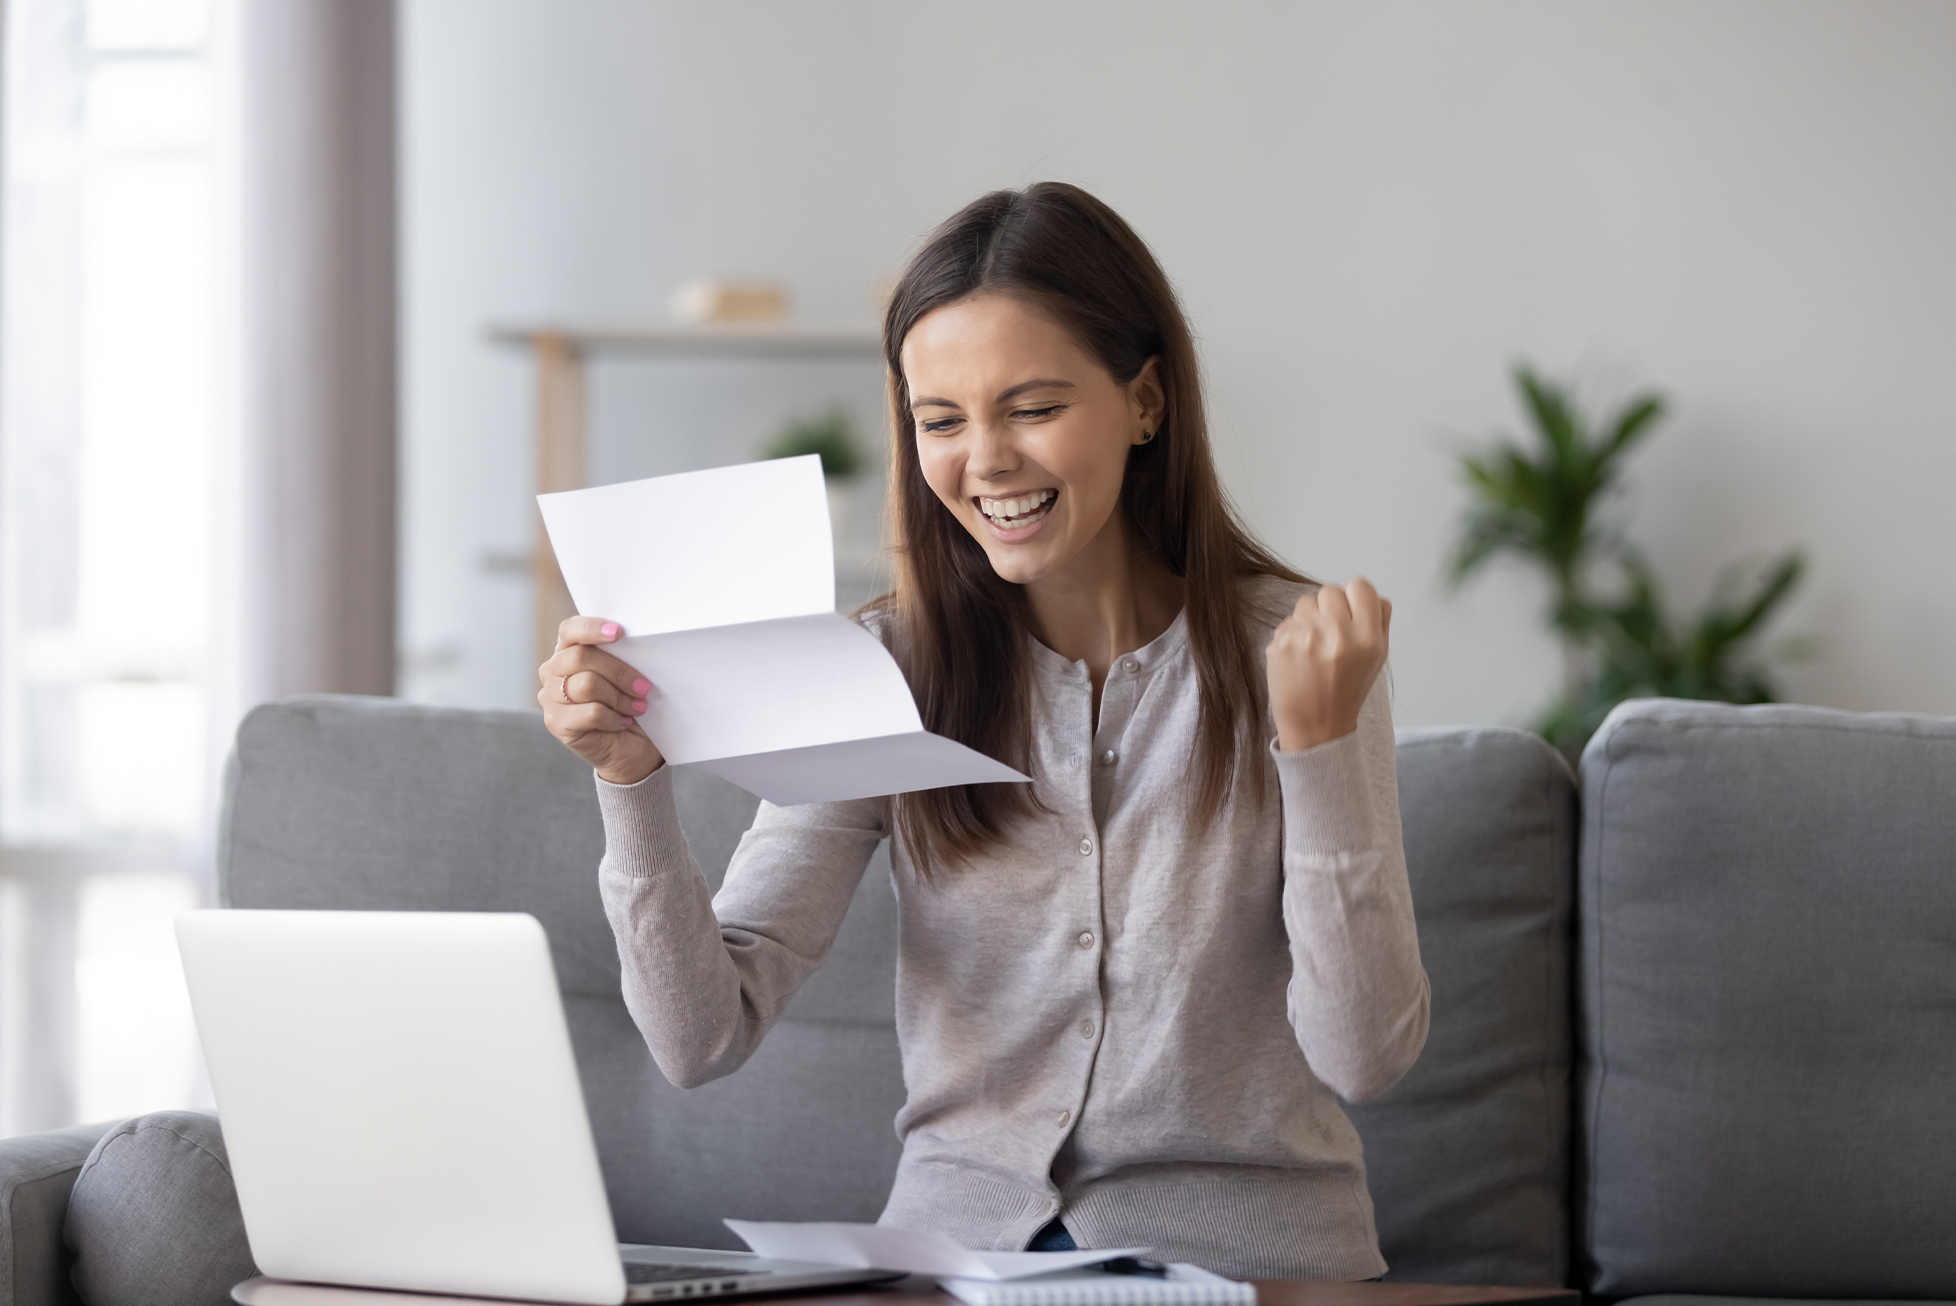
[
  {"x": 937, "y": 425},
  {"x": 1036, "y": 414}
]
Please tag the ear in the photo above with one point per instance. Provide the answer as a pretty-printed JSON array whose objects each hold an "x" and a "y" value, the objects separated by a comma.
[{"x": 1147, "y": 399}]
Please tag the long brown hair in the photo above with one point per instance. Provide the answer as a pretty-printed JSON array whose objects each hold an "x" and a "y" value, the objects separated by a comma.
[{"x": 957, "y": 628}]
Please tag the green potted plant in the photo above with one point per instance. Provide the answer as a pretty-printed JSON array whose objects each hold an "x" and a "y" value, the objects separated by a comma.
[
  {"x": 832, "y": 437},
  {"x": 1540, "y": 501}
]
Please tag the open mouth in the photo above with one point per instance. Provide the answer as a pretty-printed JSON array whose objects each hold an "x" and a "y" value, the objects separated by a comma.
[{"x": 1020, "y": 511}]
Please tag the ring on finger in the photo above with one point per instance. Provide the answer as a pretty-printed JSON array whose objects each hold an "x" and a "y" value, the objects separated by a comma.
[{"x": 563, "y": 688}]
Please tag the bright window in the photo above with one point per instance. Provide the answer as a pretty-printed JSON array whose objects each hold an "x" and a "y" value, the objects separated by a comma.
[{"x": 108, "y": 436}]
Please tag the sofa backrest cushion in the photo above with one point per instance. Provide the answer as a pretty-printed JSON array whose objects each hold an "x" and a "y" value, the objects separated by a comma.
[
  {"x": 1767, "y": 905},
  {"x": 1467, "y": 1157},
  {"x": 373, "y": 804}
]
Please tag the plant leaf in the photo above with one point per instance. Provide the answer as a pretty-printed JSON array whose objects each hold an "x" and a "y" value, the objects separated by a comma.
[{"x": 1632, "y": 424}]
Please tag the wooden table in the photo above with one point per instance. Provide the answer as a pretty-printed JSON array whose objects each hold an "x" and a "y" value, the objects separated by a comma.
[
  {"x": 1299, "y": 1292},
  {"x": 920, "y": 1291}
]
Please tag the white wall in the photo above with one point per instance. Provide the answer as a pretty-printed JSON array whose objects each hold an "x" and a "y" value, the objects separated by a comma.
[{"x": 1371, "y": 211}]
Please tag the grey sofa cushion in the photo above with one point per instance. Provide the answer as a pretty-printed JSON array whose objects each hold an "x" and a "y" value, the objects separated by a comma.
[
  {"x": 335, "y": 802},
  {"x": 154, "y": 1220},
  {"x": 1767, "y": 900},
  {"x": 37, "y": 1174},
  {"x": 1467, "y": 1157},
  {"x": 352, "y": 803}
]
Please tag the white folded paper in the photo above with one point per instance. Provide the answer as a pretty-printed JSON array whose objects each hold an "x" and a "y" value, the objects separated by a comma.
[
  {"x": 877, "y": 1247},
  {"x": 724, "y": 582}
]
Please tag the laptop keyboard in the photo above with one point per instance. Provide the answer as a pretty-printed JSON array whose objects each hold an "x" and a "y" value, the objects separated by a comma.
[{"x": 687, "y": 1277}]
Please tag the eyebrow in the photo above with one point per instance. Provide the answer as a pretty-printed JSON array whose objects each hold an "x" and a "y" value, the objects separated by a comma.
[{"x": 1004, "y": 396}]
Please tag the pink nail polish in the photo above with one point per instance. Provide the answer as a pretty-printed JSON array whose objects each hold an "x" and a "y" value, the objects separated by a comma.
[
  {"x": 640, "y": 686},
  {"x": 637, "y": 707},
  {"x": 609, "y": 630}
]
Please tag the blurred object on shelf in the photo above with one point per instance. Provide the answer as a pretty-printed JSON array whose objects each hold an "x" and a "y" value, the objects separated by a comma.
[
  {"x": 714, "y": 300},
  {"x": 832, "y": 435}
]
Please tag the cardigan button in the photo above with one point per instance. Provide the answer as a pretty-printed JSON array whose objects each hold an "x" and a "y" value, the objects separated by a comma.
[
  {"x": 1062, "y": 1118},
  {"x": 1085, "y": 940},
  {"x": 1130, "y": 666},
  {"x": 1086, "y": 847}
]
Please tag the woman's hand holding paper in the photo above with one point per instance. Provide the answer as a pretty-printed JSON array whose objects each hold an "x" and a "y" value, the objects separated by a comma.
[{"x": 592, "y": 701}]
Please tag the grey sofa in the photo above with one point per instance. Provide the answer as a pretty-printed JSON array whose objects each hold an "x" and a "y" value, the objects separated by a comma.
[{"x": 1693, "y": 1036}]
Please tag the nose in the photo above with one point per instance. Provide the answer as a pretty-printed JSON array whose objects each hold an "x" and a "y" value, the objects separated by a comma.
[{"x": 992, "y": 454}]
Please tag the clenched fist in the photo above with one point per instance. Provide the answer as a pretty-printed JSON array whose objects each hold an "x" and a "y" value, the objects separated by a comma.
[
  {"x": 1322, "y": 660},
  {"x": 592, "y": 701}
]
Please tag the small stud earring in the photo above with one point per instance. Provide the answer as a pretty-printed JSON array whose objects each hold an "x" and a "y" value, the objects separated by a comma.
[{"x": 1147, "y": 436}]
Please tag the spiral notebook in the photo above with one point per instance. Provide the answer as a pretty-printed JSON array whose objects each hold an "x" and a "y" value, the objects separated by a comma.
[
  {"x": 1186, "y": 1285},
  {"x": 995, "y": 1278}
]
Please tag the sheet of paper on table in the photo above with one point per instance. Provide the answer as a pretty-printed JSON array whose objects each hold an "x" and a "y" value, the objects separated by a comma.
[
  {"x": 724, "y": 582},
  {"x": 875, "y": 1246}
]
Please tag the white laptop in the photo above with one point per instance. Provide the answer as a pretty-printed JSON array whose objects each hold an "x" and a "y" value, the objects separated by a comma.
[{"x": 402, "y": 1111}]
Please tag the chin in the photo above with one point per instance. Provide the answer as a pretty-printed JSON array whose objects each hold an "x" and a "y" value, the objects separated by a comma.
[{"x": 1016, "y": 567}]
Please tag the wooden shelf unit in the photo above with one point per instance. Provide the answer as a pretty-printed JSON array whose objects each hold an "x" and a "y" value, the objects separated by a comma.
[{"x": 562, "y": 435}]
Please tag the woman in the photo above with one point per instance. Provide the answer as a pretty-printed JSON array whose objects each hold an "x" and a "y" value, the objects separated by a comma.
[{"x": 1128, "y": 992}]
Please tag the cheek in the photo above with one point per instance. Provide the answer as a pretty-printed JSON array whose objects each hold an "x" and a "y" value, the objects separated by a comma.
[
  {"x": 943, "y": 470},
  {"x": 1091, "y": 461}
]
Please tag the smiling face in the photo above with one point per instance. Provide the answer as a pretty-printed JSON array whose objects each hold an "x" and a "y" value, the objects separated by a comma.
[{"x": 1022, "y": 434}]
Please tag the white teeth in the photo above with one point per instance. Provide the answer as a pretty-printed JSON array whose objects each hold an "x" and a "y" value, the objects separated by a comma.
[{"x": 1002, "y": 510}]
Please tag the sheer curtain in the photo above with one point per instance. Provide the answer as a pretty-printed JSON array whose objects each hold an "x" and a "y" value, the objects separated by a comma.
[
  {"x": 196, "y": 480},
  {"x": 316, "y": 574}
]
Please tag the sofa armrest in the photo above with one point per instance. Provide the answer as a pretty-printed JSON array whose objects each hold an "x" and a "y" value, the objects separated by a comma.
[{"x": 37, "y": 1172}]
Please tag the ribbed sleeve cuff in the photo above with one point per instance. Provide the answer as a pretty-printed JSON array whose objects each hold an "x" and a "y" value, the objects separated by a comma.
[
  {"x": 641, "y": 826},
  {"x": 1328, "y": 808}
]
